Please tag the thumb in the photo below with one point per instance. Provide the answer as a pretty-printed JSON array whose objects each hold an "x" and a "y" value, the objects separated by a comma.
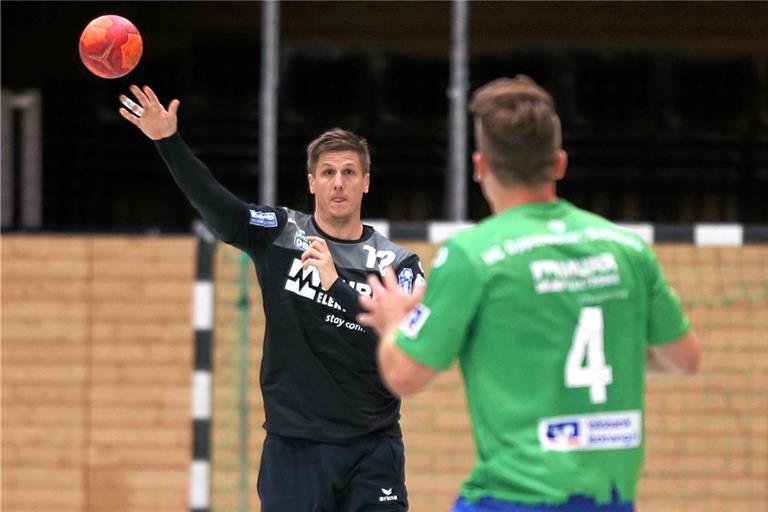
[
  {"x": 173, "y": 106},
  {"x": 419, "y": 289}
]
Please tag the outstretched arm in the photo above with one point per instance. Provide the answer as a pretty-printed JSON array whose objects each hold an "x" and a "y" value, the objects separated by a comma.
[{"x": 224, "y": 213}]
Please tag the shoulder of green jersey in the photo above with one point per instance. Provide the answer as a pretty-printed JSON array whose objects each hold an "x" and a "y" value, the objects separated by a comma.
[{"x": 527, "y": 243}]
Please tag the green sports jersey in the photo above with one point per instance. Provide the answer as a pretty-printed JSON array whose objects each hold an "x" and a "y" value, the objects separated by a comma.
[{"x": 549, "y": 310}]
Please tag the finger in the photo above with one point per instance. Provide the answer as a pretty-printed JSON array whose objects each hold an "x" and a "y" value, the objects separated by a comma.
[
  {"x": 130, "y": 117},
  {"x": 365, "y": 319},
  {"x": 143, "y": 100},
  {"x": 375, "y": 284},
  {"x": 367, "y": 302},
  {"x": 411, "y": 302},
  {"x": 419, "y": 290},
  {"x": 388, "y": 278},
  {"x": 319, "y": 244},
  {"x": 310, "y": 253},
  {"x": 173, "y": 106},
  {"x": 311, "y": 262},
  {"x": 131, "y": 105},
  {"x": 151, "y": 95},
  {"x": 321, "y": 251}
]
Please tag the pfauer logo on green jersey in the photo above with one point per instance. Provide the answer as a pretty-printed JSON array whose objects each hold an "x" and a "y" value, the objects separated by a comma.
[
  {"x": 601, "y": 431},
  {"x": 597, "y": 271}
]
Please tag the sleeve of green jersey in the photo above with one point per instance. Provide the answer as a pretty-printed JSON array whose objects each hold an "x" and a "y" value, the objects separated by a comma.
[
  {"x": 435, "y": 334},
  {"x": 667, "y": 321}
]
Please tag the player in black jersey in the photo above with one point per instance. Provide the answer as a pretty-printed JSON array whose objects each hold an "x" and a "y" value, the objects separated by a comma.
[{"x": 333, "y": 437}]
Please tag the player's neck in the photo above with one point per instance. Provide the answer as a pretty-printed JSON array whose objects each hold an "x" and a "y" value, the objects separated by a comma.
[
  {"x": 503, "y": 198},
  {"x": 350, "y": 228}
]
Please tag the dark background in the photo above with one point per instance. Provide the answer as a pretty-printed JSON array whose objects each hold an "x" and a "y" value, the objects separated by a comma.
[{"x": 664, "y": 105}]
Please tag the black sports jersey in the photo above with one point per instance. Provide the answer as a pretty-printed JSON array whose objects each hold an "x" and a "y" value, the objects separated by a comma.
[{"x": 319, "y": 377}]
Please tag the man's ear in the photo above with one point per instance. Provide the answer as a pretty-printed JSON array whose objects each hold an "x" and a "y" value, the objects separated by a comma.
[
  {"x": 479, "y": 167},
  {"x": 311, "y": 181},
  {"x": 560, "y": 165},
  {"x": 366, "y": 182}
]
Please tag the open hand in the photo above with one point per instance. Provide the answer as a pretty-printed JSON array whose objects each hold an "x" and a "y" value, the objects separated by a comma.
[
  {"x": 149, "y": 115},
  {"x": 389, "y": 305}
]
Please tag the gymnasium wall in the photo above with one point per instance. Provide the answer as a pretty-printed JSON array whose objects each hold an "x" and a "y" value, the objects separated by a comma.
[
  {"x": 96, "y": 364},
  {"x": 97, "y": 359}
]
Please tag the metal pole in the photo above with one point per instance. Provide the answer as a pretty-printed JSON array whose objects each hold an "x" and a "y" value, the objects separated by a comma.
[
  {"x": 243, "y": 370},
  {"x": 7, "y": 160},
  {"x": 32, "y": 163},
  {"x": 270, "y": 44},
  {"x": 457, "y": 176},
  {"x": 202, "y": 379}
]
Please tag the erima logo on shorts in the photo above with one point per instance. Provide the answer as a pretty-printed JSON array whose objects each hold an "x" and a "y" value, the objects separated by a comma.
[
  {"x": 263, "y": 219},
  {"x": 415, "y": 321},
  {"x": 601, "y": 431},
  {"x": 386, "y": 495}
]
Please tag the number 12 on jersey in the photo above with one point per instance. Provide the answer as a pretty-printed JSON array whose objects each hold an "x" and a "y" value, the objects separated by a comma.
[{"x": 585, "y": 365}]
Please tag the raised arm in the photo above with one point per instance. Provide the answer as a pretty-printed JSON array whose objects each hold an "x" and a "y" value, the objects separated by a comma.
[{"x": 224, "y": 213}]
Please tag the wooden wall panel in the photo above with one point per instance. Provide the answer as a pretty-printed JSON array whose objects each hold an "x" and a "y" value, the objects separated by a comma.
[
  {"x": 45, "y": 309},
  {"x": 97, "y": 350}
]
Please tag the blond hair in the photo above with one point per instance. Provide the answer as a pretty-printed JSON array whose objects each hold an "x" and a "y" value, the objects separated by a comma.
[
  {"x": 338, "y": 139},
  {"x": 517, "y": 129}
]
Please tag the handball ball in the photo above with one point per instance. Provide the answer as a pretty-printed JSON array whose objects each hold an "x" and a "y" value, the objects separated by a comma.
[{"x": 110, "y": 46}]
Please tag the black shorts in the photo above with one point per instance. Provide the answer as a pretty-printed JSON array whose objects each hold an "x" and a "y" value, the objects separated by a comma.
[{"x": 298, "y": 475}]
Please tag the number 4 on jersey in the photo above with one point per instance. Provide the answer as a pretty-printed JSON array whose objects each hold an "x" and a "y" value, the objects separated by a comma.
[{"x": 588, "y": 343}]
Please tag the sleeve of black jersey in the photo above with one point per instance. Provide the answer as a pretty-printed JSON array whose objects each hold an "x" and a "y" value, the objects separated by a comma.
[
  {"x": 346, "y": 296},
  {"x": 409, "y": 273},
  {"x": 227, "y": 216}
]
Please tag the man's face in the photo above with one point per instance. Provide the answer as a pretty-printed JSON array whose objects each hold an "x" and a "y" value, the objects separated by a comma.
[{"x": 338, "y": 184}]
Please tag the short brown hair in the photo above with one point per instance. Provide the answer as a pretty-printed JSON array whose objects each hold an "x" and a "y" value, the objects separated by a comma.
[
  {"x": 517, "y": 129},
  {"x": 338, "y": 139}
]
